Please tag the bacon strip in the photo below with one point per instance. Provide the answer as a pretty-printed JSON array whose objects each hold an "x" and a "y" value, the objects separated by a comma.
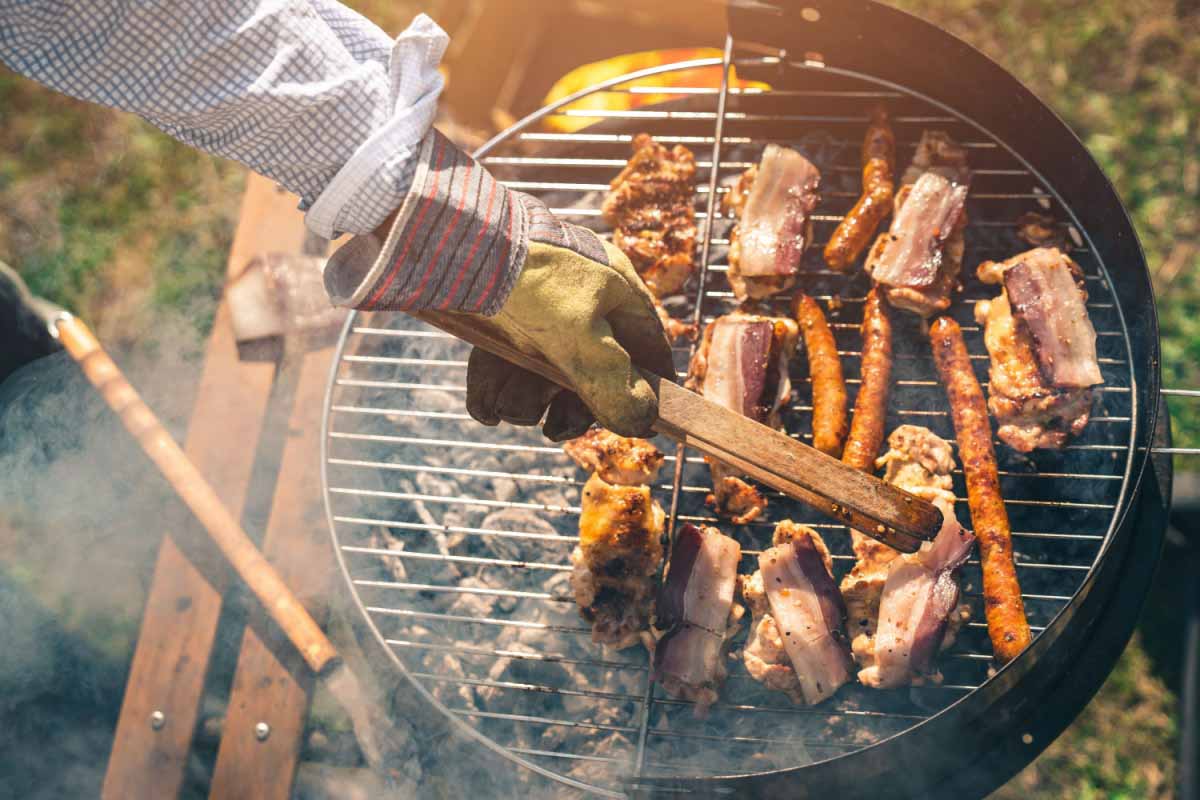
[
  {"x": 911, "y": 255},
  {"x": 1044, "y": 295},
  {"x": 918, "y": 598},
  {"x": 870, "y": 406},
  {"x": 854, "y": 232},
  {"x": 738, "y": 360},
  {"x": 825, "y": 368},
  {"x": 1007, "y": 626},
  {"x": 809, "y": 613},
  {"x": 775, "y": 224},
  {"x": 694, "y": 607}
]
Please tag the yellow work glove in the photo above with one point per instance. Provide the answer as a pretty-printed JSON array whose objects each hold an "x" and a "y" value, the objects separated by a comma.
[
  {"x": 588, "y": 313},
  {"x": 463, "y": 242}
]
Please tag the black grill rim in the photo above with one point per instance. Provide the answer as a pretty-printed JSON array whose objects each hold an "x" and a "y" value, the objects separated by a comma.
[{"x": 916, "y": 761}]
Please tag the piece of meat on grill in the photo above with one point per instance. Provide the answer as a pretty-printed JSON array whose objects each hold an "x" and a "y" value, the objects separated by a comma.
[
  {"x": 917, "y": 261},
  {"x": 1043, "y": 350},
  {"x": 742, "y": 364},
  {"x": 916, "y": 458},
  {"x": 773, "y": 203},
  {"x": 797, "y": 643},
  {"x": 649, "y": 205},
  {"x": 916, "y": 596},
  {"x": 697, "y": 614},
  {"x": 616, "y": 459},
  {"x": 854, "y": 232},
  {"x": 620, "y": 549},
  {"x": 675, "y": 328}
]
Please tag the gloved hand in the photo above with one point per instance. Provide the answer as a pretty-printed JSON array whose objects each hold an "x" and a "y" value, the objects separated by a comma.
[
  {"x": 463, "y": 242},
  {"x": 580, "y": 304}
]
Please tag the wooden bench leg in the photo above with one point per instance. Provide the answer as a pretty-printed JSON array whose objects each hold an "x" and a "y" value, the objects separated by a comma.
[
  {"x": 166, "y": 679},
  {"x": 264, "y": 723}
]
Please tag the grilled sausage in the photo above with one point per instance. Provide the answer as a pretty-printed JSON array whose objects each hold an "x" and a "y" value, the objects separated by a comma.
[
  {"x": 1005, "y": 611},
  {"x": 870, "y": 406},
  {"x": 828, "y": 386},
  {"x": 856, "y": 229}
]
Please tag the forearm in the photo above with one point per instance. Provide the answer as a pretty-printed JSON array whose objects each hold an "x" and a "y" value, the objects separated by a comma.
[{"x": 305, "y": 92}]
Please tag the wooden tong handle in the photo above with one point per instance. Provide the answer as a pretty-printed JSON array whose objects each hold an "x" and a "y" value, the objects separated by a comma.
[
  {"x": 865, "y": 503},
  {"x": 250, "y": 564}
]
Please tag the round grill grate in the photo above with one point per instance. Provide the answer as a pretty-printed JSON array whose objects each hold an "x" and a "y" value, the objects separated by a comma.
[{"x": 455, "y": 537}]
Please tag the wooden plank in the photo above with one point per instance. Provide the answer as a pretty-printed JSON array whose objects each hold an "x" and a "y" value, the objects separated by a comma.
[
  {"x": 184, "y": 602},
  {"x": 272, "y": 684}
]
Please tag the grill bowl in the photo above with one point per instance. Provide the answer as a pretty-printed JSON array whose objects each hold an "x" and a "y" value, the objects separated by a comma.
[{"x": 454, "y": 538}]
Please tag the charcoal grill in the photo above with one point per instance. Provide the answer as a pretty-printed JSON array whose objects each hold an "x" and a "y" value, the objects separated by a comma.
[{"x": 454, "y": 538}]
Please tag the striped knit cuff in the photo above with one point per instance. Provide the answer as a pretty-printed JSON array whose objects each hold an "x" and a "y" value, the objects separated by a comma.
[{"x": 458, "y": 242}]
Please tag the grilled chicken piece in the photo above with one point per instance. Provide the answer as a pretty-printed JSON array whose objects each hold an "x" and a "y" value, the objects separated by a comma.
[
  {"x": 650, "y": 208},
  {"x": 697, "y": 613},
  {"x": 741, "y": 364},
  {"x": 917, "y": 261},
  {"x": 616, "y": 459},
  {"x": 620, "y": 548},
  {"x": 797, "y": 642},
  {"x": 773, "y": 202},
  {"x": 916, "y": 608},
  {"x": 674, "y": 328},
  {"x": 1040, "y": 389}
]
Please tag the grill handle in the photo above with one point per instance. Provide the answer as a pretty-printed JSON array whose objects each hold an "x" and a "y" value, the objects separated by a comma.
[
  {"x": 197, "y": 493},
  {"x": 865, "y": 503}
]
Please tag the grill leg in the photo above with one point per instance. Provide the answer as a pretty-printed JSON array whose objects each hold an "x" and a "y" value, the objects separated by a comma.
[{"x": 1189, "y": 695}]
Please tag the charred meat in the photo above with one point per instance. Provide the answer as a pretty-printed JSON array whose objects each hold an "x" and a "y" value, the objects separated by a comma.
[
  {"x": 742, "y": 364},
  {"x": 616, "y": 459},
  {"x": 797, "y": 641},
  {"x": 620, "y": 548},
  {"x": 774, "y": 202},
  {"x": 1042, "y": 347},
  {"x": 918, "y": 259},
  {"x": 917, "y": 609},
  {"x": 649, "y": 205},
  {"x": 697, "y": 613}
]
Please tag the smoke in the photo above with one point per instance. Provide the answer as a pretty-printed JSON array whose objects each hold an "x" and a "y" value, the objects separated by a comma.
[{"x": 81, "y": 516}]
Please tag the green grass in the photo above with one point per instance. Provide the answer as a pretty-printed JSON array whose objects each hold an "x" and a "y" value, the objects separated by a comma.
[{"x": 1123, "y": 76}]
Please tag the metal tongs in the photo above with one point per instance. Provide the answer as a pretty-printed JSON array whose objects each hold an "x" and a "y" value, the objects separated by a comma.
[{"x": 893, "y": 516}]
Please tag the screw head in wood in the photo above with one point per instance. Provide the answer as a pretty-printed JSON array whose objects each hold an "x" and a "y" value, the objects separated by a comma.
[
  {"x": 157, "y": 720},
  {"x": 261, "y": 731}
]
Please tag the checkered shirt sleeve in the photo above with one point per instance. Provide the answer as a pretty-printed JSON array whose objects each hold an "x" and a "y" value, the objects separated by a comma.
[{"x": 305, "y": 92}]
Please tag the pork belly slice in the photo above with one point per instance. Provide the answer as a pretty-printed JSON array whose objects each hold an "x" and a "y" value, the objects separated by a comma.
[
  {"x": 797, "y": 641},
  {"x": 1031, "y": 409},
  {"x": 616, "y": 459},
  {"x": 1044, "y": 295},
  {"x": 697, "y": 613},
  {"x": 765, "y": 654},
  {"x": 742, "y": 364},
  {"x": 649, "y": 205},
  {"x": 916, "y": 460},
  {"x": 916, "y": 608},
  {"x": 918, "y": 260},
  {"x": 620, "y": 549},
  {"x": 774, "y": 202}
]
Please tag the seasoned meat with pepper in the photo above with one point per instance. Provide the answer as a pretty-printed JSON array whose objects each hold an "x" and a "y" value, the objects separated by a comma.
[{"x": 650, "y": 208}]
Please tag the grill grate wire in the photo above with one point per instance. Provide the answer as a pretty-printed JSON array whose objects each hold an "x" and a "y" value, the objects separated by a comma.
[{"x": 478, "y": 613}]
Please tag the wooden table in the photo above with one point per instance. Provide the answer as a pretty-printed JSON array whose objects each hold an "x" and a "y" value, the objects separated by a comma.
[{"x": 269, "y": 697}]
